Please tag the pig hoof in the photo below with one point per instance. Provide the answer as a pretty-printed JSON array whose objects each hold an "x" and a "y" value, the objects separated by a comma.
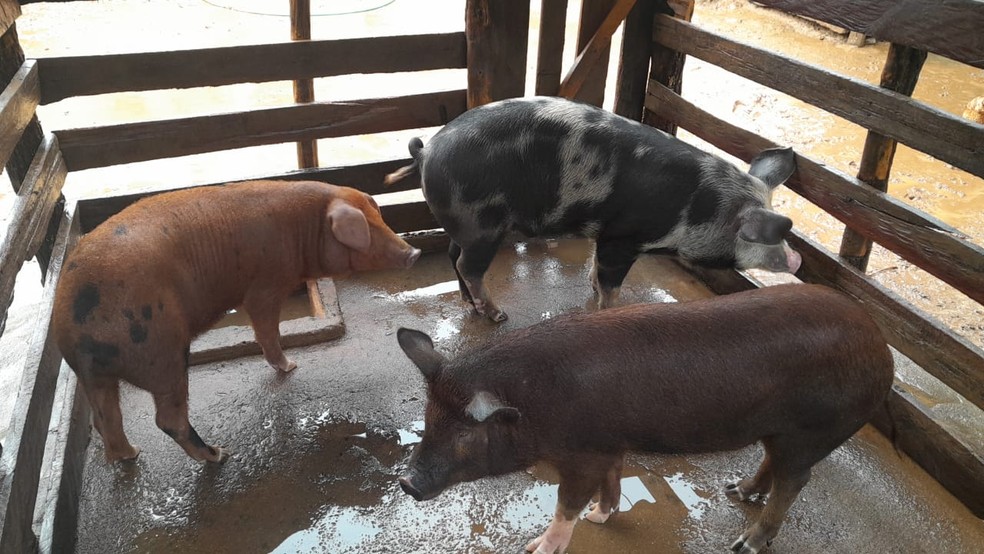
[
  {"x": 498, "y": 316},
  {"x": 124, "y": 457},
  {"x": 220, "y": 456},
  {"x": 734, "y": 491},
  {"x": 596, "y": 515},
  {"x": 286, "y": 366}
]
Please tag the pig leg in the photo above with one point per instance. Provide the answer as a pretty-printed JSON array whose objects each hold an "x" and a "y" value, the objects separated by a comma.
[
  {"x": 760, "y": 484},
  {"x": 104, "y": 397},
  {"x": 264, "y": 313},
  {"x": 785, "y": 488},
  {"x": 577, "y": 486},
  {"x": 611, "y": 495},
  {"x": 454, "y": 252},
  {"x": 172, "y": 418},
  {"x": 612, "y": 261},
  {"x": 472, "y": 264}
]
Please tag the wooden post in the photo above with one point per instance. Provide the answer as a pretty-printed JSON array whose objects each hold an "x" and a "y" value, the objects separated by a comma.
[
  {"x": 11, "y": 58},
  {"x": 300, "y": 29},
  {"x": 900, "y": 74},
  {"x": 593, "y": 13},
  {"x": 633, "y": 61},
  {"x": 497, "y": 36},
  {"x": 667, "y": 64},
  {"x": 550, "y": 50}
]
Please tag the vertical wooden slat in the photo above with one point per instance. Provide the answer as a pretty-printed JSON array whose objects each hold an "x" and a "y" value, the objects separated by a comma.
[
  {"x": 633, "y": 61},
  {"x": 497, "y": 34},
  {"x": 900, "y": 74},
  {"x": 300, "y": 29},
  {"x": 667, "y": 64},
  {"x": 17, "y": 104},
  {"x": 593, "y": 13},
  {"x": 550, "y": 50},
  {"x": 596, "y": 52},
  {"x": 9, "y": 12}
]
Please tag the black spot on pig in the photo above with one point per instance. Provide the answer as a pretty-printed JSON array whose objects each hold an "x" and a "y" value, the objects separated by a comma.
[
  {"x": 138, "y": 333},
  {"x": 147, "y": 312},
  {"x": 85, "y": 301},
  {"x": 121, "y": 230},
  {"x": 704, "y": 206},
  {"x": 103, "y": 353},
  {"x": 160, "y": 307},
  {"x": 492, "y": 216},
  {"x": 72, "y": 267},
  {"x": 128, "y": 313}
]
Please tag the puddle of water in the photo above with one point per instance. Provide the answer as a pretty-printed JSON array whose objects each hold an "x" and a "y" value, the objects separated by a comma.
[
  {"x": 424, "y": 292},
  {"x": 341, "y": 528},
  {"x": 413, "y": 435},
  {"x": 696, "y": 505},
  {"x": 633, "y": 492}
]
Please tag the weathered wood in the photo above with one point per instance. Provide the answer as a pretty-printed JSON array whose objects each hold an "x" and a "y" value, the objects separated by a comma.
[
  {"x": 941, "y": 352},
  {"x": 20, "y": 463},
  {"x": 667, "y": 66},
  {"x": 134, "y": 142},
  {"x": 227, "y": 343},
  {"x": 32, "y": 211},
  {"x": 17, "y": 104},
  {"x": 951, "y": 28},
  {"x": 593, "y": 13},
  {"x": 11, "y": 60},
  {"x": 429, "y": 241},
  {"x": 931, "y": 130},
  {"x": 56, "y": 515},
  {"x": 64, "y": 77},
  {"x": 300, "y": 29},
  {"x": 365, "y": 177},
  {"x": 598, "y": 46},
  {"x": 633, "y": 61},
  {"x": 947, "y": 458},
  {"x": 409, "y": 217},
  {"x": 901, "y": 72},
  {"x": 922, "y": 239},
  {"x": 497, "y": 37},
  {"x": 9, "y": 12},
  {"x": 550, "y": 48}
]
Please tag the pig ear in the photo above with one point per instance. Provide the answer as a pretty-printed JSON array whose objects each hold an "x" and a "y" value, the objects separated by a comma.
[
  {"x": 763, "y": 226},
  {"x": 420, "y": 349},
  {"x": 485, "y": 405},
  {"x": 773, "y": 166},
  {"x": 349, "y": 225}
]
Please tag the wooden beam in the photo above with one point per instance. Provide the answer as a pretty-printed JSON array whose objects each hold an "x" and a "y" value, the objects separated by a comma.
[
  {"x": 11, "y": 61},
  {"x": 10, "y": 10},
  {"x": 667, "y": 66},
  {"x": 593, "y": 13},
  {"x": 941, "y": 352},
  {"x": 951, "y": 28},
  {"x": 18, "y": 102},
  {"x": 497, "y": 36},
  {"x": 65, "y": 77},
  {"x": 922, "y": 239},
  {"x": 550, "y": 49},
  {"x": 135, "y": 142},
  {"x": 900, "y": 74},
  {"x": 21, "y": 461},
  {"x": 597, "y": 47},
  {"x": 300, "y": 29},
  {"x": 633, "y": 61},
  {"x": 933, "y": 131},
  {"x": 32, "y": 211}
]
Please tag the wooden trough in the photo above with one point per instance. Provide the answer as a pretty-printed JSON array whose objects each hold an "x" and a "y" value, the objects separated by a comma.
[{"x": 41, "y": 463}]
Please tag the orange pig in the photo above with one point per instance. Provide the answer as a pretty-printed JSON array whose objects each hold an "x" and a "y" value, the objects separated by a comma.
[{"x": 137, "y": 289}]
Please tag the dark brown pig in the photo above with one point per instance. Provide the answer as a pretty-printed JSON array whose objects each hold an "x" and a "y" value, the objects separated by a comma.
[
  {"x": 798, "y": 367},
  {"x": 141, "y": 286}
]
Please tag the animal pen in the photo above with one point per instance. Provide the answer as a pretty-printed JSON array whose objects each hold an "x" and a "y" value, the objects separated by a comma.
[{"x": 43, "y": 455}]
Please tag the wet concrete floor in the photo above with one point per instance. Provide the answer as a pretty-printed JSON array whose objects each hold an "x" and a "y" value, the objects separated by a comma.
[{"x": 317, "y": 452}]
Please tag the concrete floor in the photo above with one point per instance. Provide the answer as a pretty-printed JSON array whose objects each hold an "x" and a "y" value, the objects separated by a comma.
[{"x": 317, "y": 452}]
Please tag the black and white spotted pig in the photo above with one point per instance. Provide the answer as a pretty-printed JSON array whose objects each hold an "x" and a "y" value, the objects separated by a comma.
[{"x": 553, "y": 167}]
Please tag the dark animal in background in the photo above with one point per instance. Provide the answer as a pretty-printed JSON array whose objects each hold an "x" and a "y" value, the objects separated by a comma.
[
  {"x": 798, "y": 367},
  {"x": 138, "y": 288},
  {"x": 553, "y": 167}
]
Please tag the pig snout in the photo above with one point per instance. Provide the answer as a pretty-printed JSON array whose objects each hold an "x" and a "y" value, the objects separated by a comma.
[
  {"x": 408, "y": 488},
  {"x": 793, "y": 259}
]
